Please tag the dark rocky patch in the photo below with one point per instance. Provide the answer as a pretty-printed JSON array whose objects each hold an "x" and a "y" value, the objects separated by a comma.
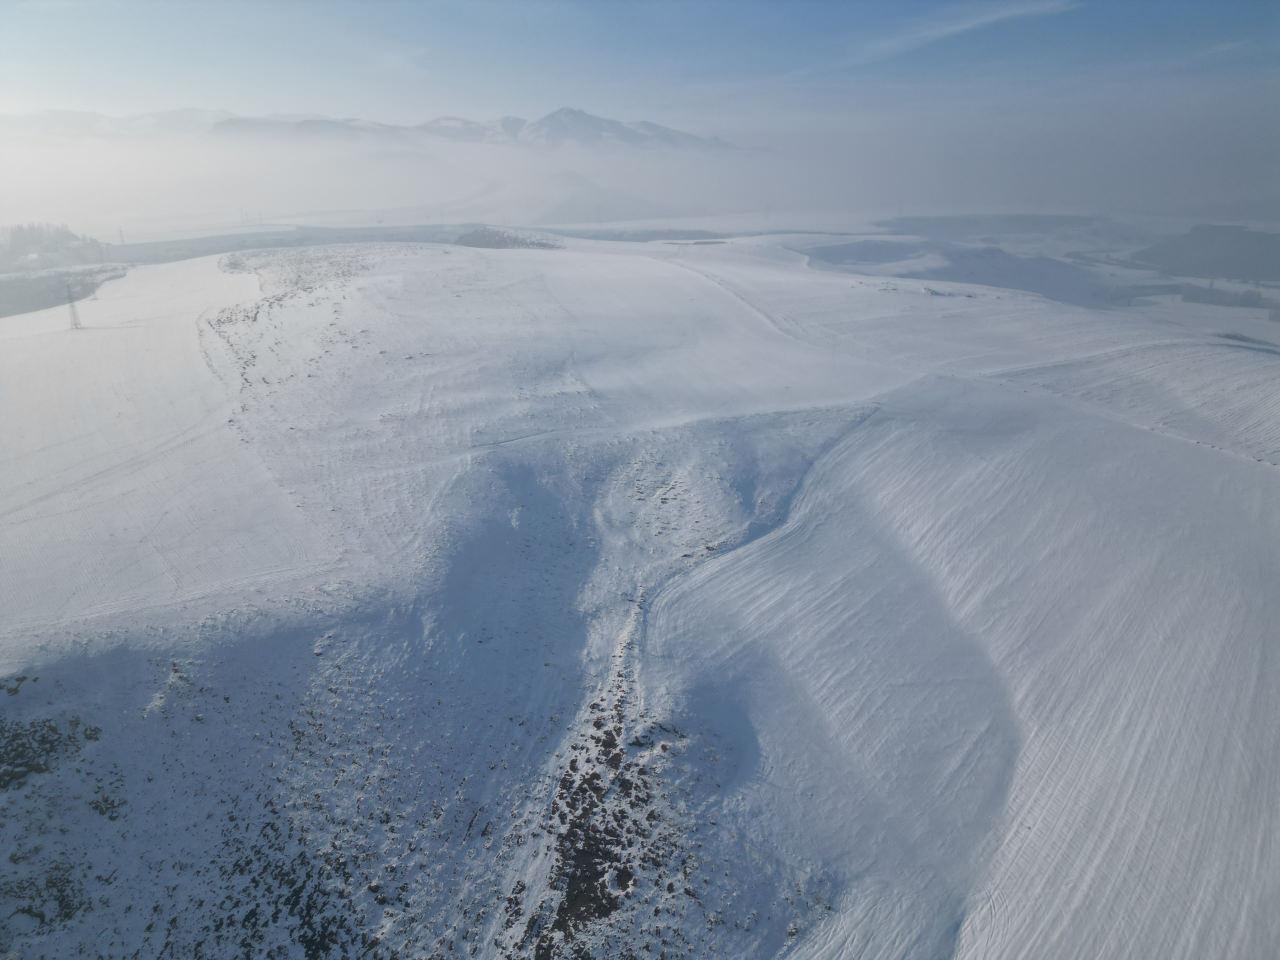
[{"x": 34, "y": 746}]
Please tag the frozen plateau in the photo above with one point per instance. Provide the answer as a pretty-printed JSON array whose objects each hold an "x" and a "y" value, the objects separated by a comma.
[{"x": 715, "y": 599}]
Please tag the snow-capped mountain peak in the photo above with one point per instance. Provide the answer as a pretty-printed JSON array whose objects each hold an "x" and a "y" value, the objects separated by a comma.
[
  {"x": 570, "y": 125},
  {"x": 566, "y": 125}
]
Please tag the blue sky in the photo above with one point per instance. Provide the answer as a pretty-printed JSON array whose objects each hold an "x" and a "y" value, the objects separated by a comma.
[{"x": 716, "y": 64}]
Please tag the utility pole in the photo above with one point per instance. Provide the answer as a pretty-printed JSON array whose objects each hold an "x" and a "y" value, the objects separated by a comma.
[{"x": 71, "y": 308}]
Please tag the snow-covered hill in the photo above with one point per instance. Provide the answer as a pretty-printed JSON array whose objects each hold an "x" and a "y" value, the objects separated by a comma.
[{"x": 635, "y": 599}]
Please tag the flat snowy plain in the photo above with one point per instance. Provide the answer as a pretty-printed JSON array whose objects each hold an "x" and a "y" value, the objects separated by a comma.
[{"x": 635, "y": 600}]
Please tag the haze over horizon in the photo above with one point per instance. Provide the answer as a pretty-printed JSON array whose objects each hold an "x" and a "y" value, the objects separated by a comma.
[{"x": 868, "y": 107}]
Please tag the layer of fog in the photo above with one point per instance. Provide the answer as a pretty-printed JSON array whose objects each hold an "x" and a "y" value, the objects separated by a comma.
[{"x": 1212, "y": 165}]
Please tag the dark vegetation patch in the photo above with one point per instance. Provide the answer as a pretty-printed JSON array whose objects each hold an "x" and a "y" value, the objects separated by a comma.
[
  {"x": 636, "y": 235},
  {"x": 962, "y": 226},
  {"x": 28, "y": 247},
  {"x": 47, "y": 899},
  {"x": 1195, "y": 293},
  {"x": 167, "y": 251},
  {"x": 276, "y": 891},
  {"x": 870, "y": 251},
  {"x": 620, "y": 878},
  {"x": 1229, "y": 252},
  {"x": 12, "y": 685},
  {"x": 491, "y": 238},
  {"x": 987, "y": 265},
  {"x": 23, "y": 293},
  {"x": 35, "y": 746},
  {"x": 35, "y": 276}
]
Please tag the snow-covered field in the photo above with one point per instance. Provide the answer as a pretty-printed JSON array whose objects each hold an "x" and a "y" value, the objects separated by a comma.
[{"x": 635, "y": 600}]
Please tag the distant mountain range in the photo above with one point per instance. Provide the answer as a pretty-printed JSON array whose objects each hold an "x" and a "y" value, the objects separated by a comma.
[{"x": 565, "y": 126}]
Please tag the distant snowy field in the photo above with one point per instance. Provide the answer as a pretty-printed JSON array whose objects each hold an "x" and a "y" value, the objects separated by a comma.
[{"x": 636, "y": 600}]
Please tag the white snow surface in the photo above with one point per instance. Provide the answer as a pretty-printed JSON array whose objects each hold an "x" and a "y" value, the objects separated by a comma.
[{"x": 630, "y": 600}]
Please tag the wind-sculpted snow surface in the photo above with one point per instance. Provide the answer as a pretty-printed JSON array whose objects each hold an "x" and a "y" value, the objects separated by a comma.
[
  {"x": 843, "y": 692},
  {"x": 633, "y": 600}
]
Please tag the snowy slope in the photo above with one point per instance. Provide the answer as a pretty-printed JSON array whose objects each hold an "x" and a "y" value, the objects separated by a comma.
[
  {"x": 122, "y": 485},
  {"x": 630, "y": 598}
]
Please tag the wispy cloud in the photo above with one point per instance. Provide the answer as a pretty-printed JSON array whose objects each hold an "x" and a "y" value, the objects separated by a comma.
[
  {"x": 1217, "y": 50},
  {"x": 952, "y": 23},
  {"x": 944, "y": 25}
]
